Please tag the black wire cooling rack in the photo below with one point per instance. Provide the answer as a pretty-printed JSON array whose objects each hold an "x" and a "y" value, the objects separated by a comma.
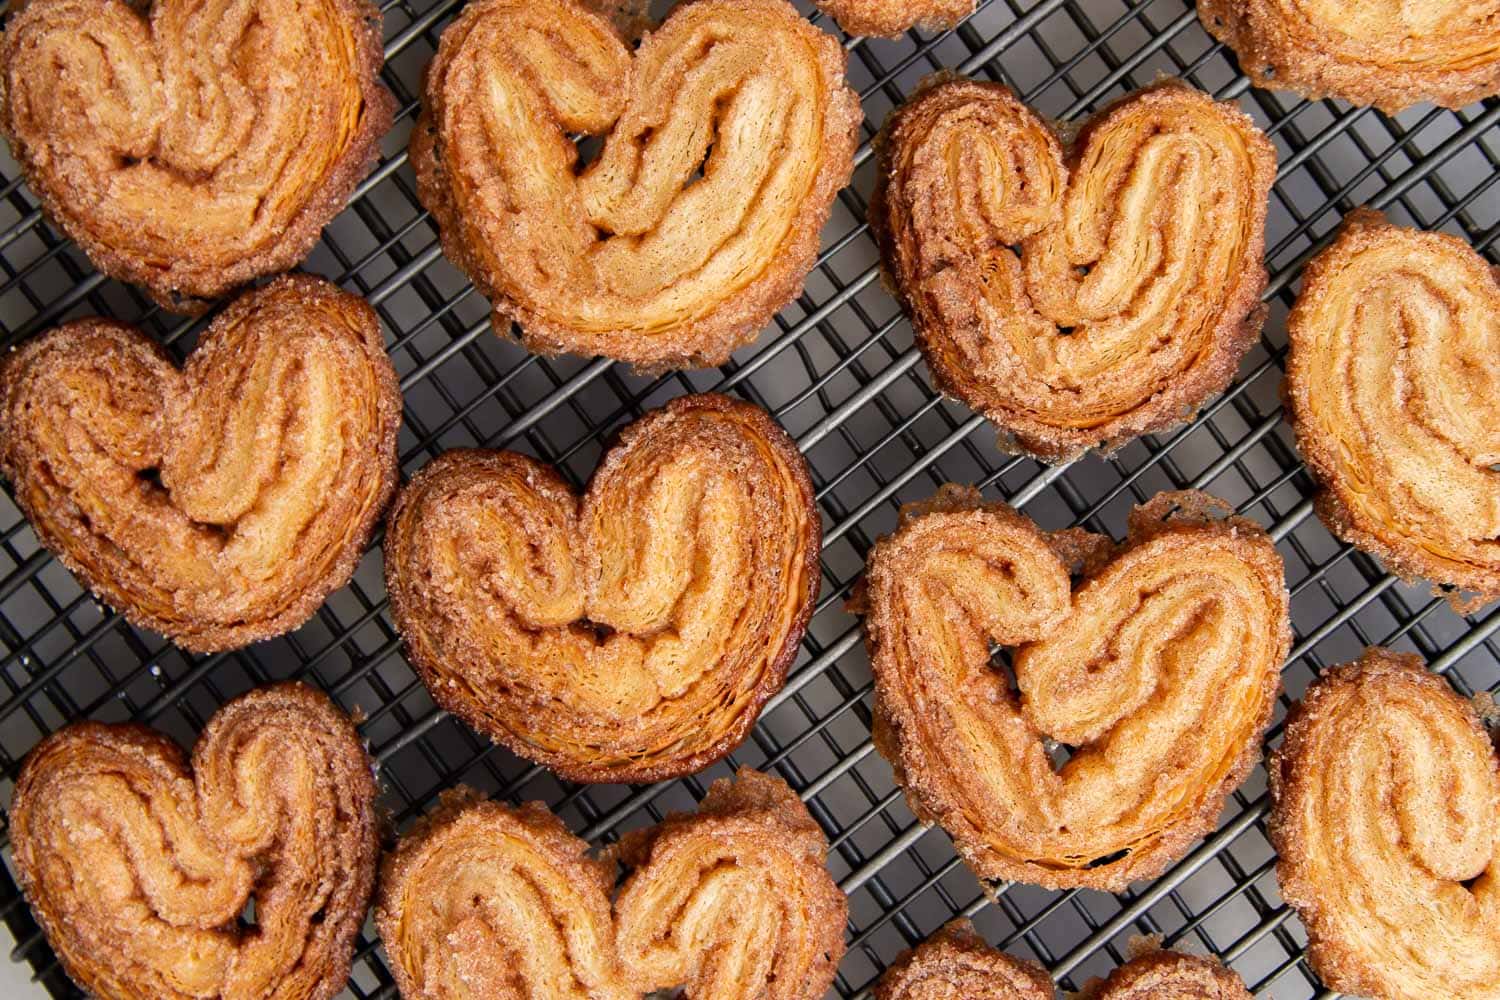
[{"x": 838, "y": 369}]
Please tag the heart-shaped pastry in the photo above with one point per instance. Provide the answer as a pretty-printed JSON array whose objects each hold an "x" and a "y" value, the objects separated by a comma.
[
  {"x": 729, "y": 131},
  {"x": 956, "y": 964},
  {"x": 1388, "y": 54},
  {"x": 632, "y": 635},
  {"x": 139, "y": 867},
  {"x": 483, "y": 900},
  {"x": 200, "y": 146},
  {"x": 1083, "y": 298},
  {"x": 1159, "y": 669},
  {"x": 1393, "y": 378},
  {"x": 891, "y": 18},
  {"x": 1386, "y": 816},
  {"x": 220, "y": 503}
]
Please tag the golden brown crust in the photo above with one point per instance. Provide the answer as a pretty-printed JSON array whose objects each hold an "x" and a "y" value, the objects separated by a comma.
[
  {"x": 633, "y": 635},
  {"x": 221, "y": 503},
  {"x": 1135, "y": 293},
  {"x": 1386, "y": 816},
  {"x": 1161, "y": 667},
  {"x": 138, "y": 866},
  {"x": 1157, "y": 974},
  {"x": 485, "y": 901},
  {"x": 892, "y": 18},
  {"x": 1393, "y": 380},
  {"x": 190, "y": 151},
  {"x": 1391, "y": 55},
  {"x": 956, "y": 964},
  {"x": 635, "y": 258}
]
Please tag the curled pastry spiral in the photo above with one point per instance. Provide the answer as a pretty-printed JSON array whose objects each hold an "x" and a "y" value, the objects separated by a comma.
[
  {"x": 1386, "y": 817},
  {"x": 956, "y": 964},
  {"x": 1082, "y": 299},
  {"x": 1394, "y": 381},
  {"x": 138, "y": 867},
  {"x": 733, "y": 901},
  {"x": 1160, "y": 669},
  {"x": 1391, "y": 55},
  {"x": 630, "y": 636},
  {"x": 728, "y": 133},
  {"x": 220, "y": 503},
  {"x": 890, "y": 18},
  {"x": 200, "y": 146}
]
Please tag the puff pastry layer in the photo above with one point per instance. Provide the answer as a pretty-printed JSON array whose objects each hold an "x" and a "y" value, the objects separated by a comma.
[
  {"x": 891, "y": 18},
  {"x": 1076, "y": 296},
  {"x": 1386, "y": 817},
  {"x": 633, "y": 634},
  {"x": 138, "y": 863},
  {"x": 1394, "y": 383},
  {"x": 1388, "y": 54},
  {"x": 198, "y": 146},
  {"x": 221, "y": 503},
  {"x": 1158, "y": 670},
  {"x": 484, "y": 900},
  {"x": 727, "y": 133}
]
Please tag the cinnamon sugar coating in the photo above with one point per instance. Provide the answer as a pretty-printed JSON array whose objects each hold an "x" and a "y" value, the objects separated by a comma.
[
  {"x": 1390, "y": 55},
  {"x": 485, "y": 901},
  {"x": 635, "y": 257},
  {"x": 218, "y": 504},
  {"x": 1159, "y": 670},
  {"x": 1157, "y": 974},
  {"x": 630, "y": 635},
  {"x": 1386, "y": 816},
  {"x": 1393, "y": 381},
  {"x": 137, "y": 863},
  {"x": 892, "y": 18},
  {"x": 193, "y": 148},
  {"x": 1076, "y": 296}
]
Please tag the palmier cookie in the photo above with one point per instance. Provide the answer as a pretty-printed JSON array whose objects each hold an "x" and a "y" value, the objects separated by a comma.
[
  {"x": 196, "y": 147},
  {"x": 890, "y": 18},
  {"x": 731, "y": 901},
  {"x": 1391, "y": 55},
  {"x": 218, "y": 504},
  {"x": 1393, "y": 379},
  {"x": 1386, "y": 816},
  {"x": 632, "y": 634},
  {"x": 138, "y": 863},
  {"x": 1158, "y": 670},
  {"x": 956, "y": 964},
  {"x": 1079, "y": 295},
  {"x": 727, "y": 134}
]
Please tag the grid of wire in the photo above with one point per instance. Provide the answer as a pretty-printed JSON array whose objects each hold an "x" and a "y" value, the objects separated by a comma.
[{"x": 838, "y": 369}]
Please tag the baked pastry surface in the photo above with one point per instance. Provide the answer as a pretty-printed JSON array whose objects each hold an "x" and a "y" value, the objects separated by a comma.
[
  {"x": 892, "y": 18},
  {"x": 1079, "y": 296},
  {"x": 1158, "y": 671},
  {"x": 138, "y": 863},
  {"x": 728, "y": 132},
  {"x": 956, "y": 964},
  {"x": 632, "y": 634},
  {"x": 1393, "y": 378},
  {"x": 484, "y": 900},
  {"x": 1386, "y": 817},
  {"x": 198, "y": 146},
  {"x": 218, "y": 504},
  {"x": 1385, "y": 53}
]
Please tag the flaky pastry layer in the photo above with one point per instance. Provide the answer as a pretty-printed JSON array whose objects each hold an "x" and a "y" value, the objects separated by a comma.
[
  {"x": 1386, "y": 817},
  {"x": 727, "y": 134},
  {"x": 1158, "y": 670},
  {"x": 633, "y": 634},
  {"x": 196, "y": 147},
  {"x": 484, "y": 901},
  {"x": 218, "y": 504},
  {"x": 1393, "y": 377},
  {"x": 1078, "y": 296},
  {"x": 139, "y": 863}
]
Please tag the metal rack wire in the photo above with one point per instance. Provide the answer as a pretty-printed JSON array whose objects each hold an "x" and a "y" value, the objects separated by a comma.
[{"x": 839, "y": 371}]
